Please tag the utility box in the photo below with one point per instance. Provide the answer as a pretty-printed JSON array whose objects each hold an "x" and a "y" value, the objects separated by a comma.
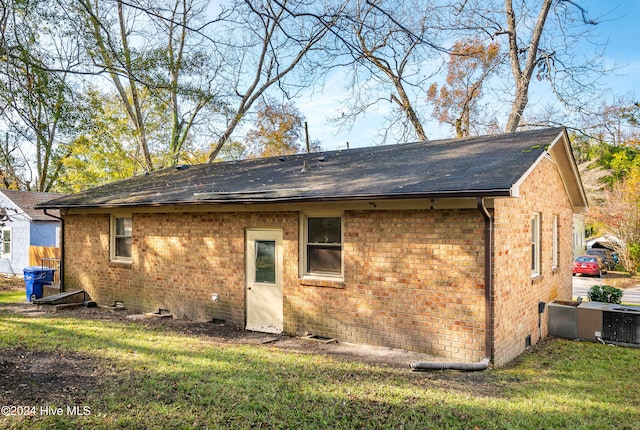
[
  {"x": 563, "y": 319},
  {"x": 590, "y": 319}
]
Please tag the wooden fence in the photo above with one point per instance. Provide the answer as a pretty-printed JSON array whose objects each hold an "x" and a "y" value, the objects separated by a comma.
[{"x": 46, "y": 256}]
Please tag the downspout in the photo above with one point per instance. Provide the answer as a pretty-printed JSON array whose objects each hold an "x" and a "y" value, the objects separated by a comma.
[
  {"x": 61, "y": 248},
  {"x": 488, "y": 314}
]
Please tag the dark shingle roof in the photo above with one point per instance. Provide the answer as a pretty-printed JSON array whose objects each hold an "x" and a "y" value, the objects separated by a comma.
[
  {"x": 469, "y": 167},
  {"x": 28, "y": 200}
]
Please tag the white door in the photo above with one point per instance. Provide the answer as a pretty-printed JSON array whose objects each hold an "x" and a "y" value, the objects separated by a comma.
[{"x": 264, "y": 281}]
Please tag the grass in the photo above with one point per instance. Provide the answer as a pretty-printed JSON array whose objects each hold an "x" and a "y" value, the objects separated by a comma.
[
  {"x": 156, "y": 378},
  {"x": 12, "y": 296}
]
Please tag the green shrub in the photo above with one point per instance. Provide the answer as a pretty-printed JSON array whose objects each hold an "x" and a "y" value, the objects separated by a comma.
[{"x": 605, "y": 294}]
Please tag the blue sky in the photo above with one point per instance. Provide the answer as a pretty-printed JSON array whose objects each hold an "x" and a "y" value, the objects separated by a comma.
[{"x": 619, "y": 25}]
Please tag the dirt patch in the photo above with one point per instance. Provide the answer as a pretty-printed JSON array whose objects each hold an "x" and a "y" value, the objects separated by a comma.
[
  {"x": 41, "y": 378},
  {"x": 8, "y": 283}
]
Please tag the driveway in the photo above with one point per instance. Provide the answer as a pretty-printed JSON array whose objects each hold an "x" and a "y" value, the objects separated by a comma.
[{"x": 581, "y": 285}]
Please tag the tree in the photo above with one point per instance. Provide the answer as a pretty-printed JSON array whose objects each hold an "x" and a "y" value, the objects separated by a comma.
[
  {"x": 470, "y": 64},
  {"x": 210, "y": 73},
  {"x": 632, "y": 113},
  {"x": 543, "y": 44},
  {"x": 273, "y": 40},
  {"x": 36, "y": 92},
  {"x": 150, "y": 48},
  {"x": 12, "y": 163},
  {"x": 390, "y": 44},
  {"x": 233, "y": 150},
  {"x": 109, "y": 48},
  {"x": 182, "y": 61},
  {"x": 104, "y": 152},
  {"x": 614, "y": 122},
  {"x": 394, "y": 44},
  {"x": 620, "y": 216},
  {"x": 278, "y": 130}
]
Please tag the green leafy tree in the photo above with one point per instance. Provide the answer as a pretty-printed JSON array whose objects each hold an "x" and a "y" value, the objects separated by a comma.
[
  {"x": 37, "y": 92},
  {"x": 104, "y": 152},
  {"x": 150, "y": 51},
  {"x": 234, "y": 150}
]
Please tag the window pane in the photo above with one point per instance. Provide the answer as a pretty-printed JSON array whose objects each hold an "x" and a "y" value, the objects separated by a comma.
[
  {"x": 6, "y": 242},
  {"x": 535, "y": 243},
  {"x": 324, "y": 230},
  {"x": 327, "y": 259},
  {"x": 266, "y": 261},
  {"x": 123, "y": 227},
  {"x": 556, "y": 244},
  {"x": 123, "y": 247}
]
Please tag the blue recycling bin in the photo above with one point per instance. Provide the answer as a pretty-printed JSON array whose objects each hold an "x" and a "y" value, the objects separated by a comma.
[{"x": 35, "y": 277}]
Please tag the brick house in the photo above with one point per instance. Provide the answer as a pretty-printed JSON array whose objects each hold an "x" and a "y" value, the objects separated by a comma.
[{"x": 443, "y": 247}]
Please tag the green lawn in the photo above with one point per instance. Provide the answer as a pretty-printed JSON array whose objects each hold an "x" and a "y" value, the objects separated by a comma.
[{"x": 146, "y": 376}]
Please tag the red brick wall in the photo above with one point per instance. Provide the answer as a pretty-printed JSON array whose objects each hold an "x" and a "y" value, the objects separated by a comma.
[
  {"x": 516, "y": 294},
  {"x": 413, "y": 279}
]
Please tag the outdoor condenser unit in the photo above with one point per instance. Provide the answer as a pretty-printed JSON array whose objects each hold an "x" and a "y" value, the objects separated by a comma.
[
  {"x": 595, "y": 321},
  {"x": 619, "y": 325}
]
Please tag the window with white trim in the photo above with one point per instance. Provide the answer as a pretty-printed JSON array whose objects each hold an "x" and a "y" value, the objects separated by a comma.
[
  {"x": 322, "y": 252},
  {"x": 121, "y": 238},
  {"x": 5, "y": 243},
  {"x": 555, "y": 252},
  {"x": 535, "y": 244}
]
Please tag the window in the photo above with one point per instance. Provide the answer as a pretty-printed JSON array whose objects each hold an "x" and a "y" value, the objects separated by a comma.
[
  {"x": 265, "y": 261},
  {"x": 535, "y": 244},
  {"x": 555, "y": 244},
  {"x": 5, "y": 241},
  {"x": 121, "y": 238},
  {"x": 323, "y": 242}
]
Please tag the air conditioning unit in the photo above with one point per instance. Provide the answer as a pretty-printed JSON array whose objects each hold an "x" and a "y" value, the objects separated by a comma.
[
  {"x": 595, "y": 321},
  {"x": 618, "y": 325}
]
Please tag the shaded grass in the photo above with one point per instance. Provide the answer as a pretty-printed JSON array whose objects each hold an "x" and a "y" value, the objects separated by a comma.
[{"x": 158, "y": 378}]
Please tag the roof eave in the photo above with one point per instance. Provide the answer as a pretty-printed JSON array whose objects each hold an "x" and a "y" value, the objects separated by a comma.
[
  {"x": 502, "y": 192},
  {"x": 560, "y": 152}
]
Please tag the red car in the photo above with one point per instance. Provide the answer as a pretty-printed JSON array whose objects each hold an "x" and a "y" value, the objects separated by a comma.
[{"x": 589, "y": 265}]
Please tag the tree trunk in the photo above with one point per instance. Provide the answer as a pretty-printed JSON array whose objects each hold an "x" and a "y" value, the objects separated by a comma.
[
  {"x": 405, "y": 105},
  {"x": 522, "y": 75}
]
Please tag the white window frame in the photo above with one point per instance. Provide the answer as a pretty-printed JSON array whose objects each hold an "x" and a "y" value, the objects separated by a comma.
[
  {"x": 2, "y": 253},
  {"x": 112, "y": 239},
  {"x": 304, "y": 230},
  {"x": 535, "y": 244},
  {"x": 555, "y": 245}
]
